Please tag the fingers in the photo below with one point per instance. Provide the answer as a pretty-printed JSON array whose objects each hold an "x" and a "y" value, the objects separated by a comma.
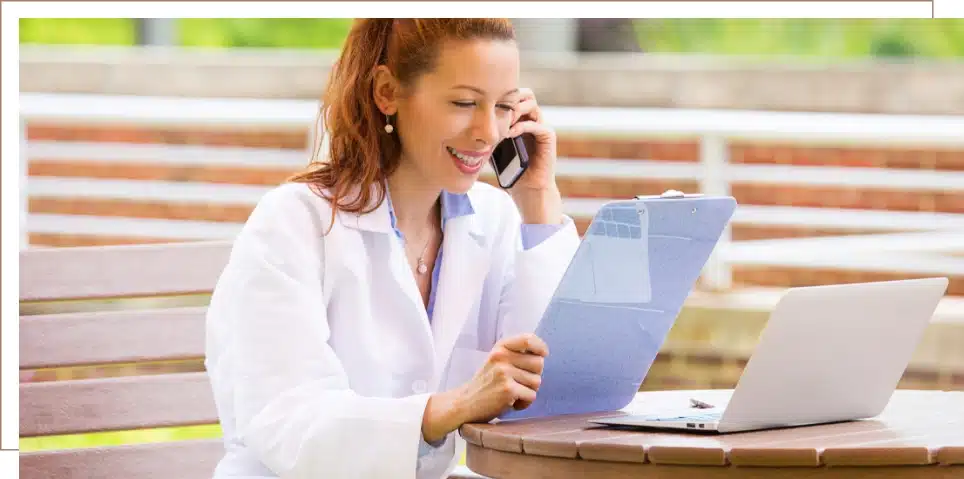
[
  {"x": 524, "y": 389},
  {"x": 523, "y": 397},
  {"x": 541, "y": 132},
  {"x": 528, "y": 108},
  {"x": 529, "y": 380},
  {"x": 526, "y": 344},
  {"x": 527, "y": 362},
  {"x": 514, "y": 383},
  {"x": 526, "y": 94},
  {"x": 517, "y": 363}
]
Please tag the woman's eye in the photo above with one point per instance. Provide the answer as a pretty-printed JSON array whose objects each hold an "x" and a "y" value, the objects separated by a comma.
[{"x": 469, "y": 104}]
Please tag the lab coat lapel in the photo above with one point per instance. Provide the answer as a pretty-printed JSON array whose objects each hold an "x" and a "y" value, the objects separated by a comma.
[
  {"x": 464, "y": 265},
  {"x": 414, "y": 308},
  {"x": 377, "y": 223}
]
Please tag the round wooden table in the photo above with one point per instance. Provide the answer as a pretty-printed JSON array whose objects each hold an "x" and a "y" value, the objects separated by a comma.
[{"x": 919, "y": 435}]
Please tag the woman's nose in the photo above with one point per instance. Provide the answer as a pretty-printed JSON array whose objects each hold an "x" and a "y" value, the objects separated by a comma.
[{"x": 486, "y": 129}]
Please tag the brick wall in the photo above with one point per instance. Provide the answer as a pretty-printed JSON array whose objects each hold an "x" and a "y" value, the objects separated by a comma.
[
  {"x": 650, "y": 149},
  {"x": 693, "y": 371},
  {"x": 686, "y": 151}
]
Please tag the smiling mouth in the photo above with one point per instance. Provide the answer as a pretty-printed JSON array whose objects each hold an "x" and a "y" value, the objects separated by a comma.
[{"x": 470, "y": 161}]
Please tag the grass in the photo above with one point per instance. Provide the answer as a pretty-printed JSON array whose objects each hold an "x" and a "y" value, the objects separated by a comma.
[
  {"x": 74, "y": 441},
  {"x": 940, "y": 38}
]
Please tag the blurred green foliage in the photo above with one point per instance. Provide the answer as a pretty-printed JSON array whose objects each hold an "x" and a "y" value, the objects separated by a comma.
[
  {"x": 805, "y": 37},
  {"x": 266, "y": 32},
  {"x": 794, "y": 37},
  {"x": 325, "y": 33},
  {"x": 81, "y": 31}
]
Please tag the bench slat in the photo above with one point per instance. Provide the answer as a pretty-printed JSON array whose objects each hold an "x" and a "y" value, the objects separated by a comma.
[
  {"x": 73, "y": 339},
  {"x": 111, "y": 404},
  {"x": 180, "y": 459},
  {"x": 121, "y": 271}
]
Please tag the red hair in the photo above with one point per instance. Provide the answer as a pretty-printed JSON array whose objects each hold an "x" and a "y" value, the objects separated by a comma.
[{"x": 360, "y": 154}]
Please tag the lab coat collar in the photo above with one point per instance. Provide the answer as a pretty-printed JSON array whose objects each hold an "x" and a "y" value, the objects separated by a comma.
[
  {"x": 371, "y": 219},
  {"x": 453, "y": 206},
  {"x": 381, "y": 219}
]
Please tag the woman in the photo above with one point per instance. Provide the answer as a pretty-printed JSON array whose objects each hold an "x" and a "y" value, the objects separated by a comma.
[{"x": 384, "y": 297}]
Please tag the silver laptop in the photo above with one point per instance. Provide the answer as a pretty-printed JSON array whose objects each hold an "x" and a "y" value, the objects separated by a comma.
[{"x": 827, "y": 354}]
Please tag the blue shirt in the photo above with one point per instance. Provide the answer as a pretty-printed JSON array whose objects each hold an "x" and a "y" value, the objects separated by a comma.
[{"x": 452, "y": 206}]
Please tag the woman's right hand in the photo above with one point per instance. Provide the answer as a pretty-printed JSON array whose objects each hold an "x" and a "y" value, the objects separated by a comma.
[{"x": 510, "y": 377}]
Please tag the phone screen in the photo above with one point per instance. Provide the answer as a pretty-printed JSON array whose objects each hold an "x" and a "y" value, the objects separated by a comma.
[
  {"x": 503, "y": 154},
  {"x": 510, "y": 160}
]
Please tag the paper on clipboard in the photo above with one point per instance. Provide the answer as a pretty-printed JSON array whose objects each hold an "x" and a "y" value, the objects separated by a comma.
[{"x": 618, "y": 299}]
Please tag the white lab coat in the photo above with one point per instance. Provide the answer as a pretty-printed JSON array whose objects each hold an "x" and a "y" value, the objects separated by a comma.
[{"x": 319, "y": 350}]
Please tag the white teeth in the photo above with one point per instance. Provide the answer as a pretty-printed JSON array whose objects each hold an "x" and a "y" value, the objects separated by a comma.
[{"x": 466, "y": 160}]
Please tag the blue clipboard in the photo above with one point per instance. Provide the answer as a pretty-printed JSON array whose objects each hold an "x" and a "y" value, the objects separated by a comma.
[{"x": 619, "y": 297}]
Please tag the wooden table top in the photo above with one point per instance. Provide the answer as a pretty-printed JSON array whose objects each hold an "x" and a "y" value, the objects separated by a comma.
[{"x": 918, "y": 428}]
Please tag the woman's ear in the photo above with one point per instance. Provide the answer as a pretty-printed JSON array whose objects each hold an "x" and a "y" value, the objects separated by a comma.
[{"x": 385, "y": 90}]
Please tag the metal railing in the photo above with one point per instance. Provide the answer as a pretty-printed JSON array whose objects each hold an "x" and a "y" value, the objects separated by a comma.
[{"x": 899, "y": 251}]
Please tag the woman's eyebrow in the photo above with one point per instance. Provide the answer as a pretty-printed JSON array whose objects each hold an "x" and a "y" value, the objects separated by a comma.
[{"x": 481, "y": 91}]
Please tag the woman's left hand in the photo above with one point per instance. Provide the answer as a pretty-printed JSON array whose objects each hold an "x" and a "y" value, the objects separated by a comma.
[{"x": 536, "y": 193}]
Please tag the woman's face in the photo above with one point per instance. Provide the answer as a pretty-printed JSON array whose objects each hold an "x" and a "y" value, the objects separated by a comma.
[{"x": 451, "y": 119}]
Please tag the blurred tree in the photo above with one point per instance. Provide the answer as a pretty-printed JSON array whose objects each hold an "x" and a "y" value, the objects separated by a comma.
[
  {"x": 607, "y": 35},
  {"x": 892, "y": 45}
]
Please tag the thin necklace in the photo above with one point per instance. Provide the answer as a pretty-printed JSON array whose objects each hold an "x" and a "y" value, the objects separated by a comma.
[{"x": 422, "y": 268}]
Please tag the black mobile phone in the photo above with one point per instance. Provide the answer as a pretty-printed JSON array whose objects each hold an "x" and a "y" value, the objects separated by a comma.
[{"x": 510, "y": 160}]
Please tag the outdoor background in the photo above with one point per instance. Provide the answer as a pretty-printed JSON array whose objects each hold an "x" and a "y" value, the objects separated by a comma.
[
  {"x": 814, "y": 38},
  {"x": 800, "y": 198}
]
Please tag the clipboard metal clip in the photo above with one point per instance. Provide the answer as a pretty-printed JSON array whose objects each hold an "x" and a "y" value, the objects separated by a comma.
[{"x": 670, "y": 194}]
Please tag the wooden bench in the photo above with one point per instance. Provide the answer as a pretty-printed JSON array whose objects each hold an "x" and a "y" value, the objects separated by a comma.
[
  {"x": 141, "y": 333},
  {"x": 120, "y": 336}
]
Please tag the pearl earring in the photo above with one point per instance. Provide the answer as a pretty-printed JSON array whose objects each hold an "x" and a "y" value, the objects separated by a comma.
[{"x": 388, "y": 125}]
